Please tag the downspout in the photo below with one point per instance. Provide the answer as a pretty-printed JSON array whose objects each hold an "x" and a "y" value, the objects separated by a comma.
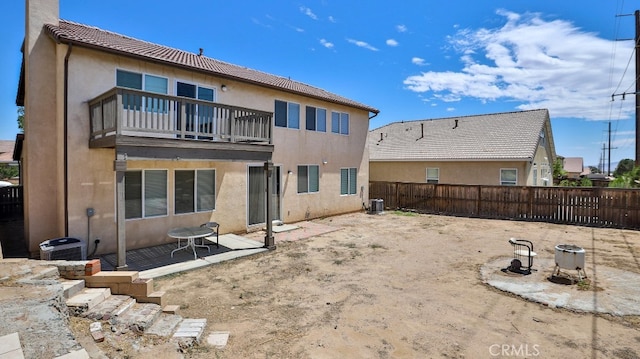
[{"x": 66, "y": 144}]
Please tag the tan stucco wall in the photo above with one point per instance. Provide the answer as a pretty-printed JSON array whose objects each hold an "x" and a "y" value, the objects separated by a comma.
[
  {"x": 92, "y": 178},
  {"x": 474, "y": 173},
  {"x": 41, "y": 169}
]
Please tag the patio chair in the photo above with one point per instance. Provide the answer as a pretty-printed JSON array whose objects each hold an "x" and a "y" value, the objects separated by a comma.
[
  {"x": 522, "y": 256},
  {"x": 215, "y": 227}
]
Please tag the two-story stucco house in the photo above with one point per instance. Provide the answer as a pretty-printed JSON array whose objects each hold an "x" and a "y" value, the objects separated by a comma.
[
  {"x": 126, "y": 139},
  {"x": 511, "y": 148}
]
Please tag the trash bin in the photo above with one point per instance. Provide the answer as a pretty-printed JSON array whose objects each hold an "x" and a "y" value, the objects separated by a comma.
[{"x": 65, "y": 248}]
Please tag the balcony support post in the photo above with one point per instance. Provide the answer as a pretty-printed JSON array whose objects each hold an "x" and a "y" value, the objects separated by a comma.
[
  {"x": 120, "y": 167},
  {"x": 269, "y": 241}
]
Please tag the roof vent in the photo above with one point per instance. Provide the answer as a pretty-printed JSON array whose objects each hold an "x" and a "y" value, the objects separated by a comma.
[
  {"x": 456, "y": 125},
  {"x": 201, "y": 52}
]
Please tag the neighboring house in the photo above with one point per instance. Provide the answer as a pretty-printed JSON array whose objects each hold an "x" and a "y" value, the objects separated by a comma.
[
  {"x": 574, "y": 167},
  {"x": 513, "y": 148},
  {"x": 6, "y": 152},
  {"x": 149, "y": 138}
]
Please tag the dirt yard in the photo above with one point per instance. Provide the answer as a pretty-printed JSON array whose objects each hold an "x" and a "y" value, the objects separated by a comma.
[{"x": 403, "y": 285}]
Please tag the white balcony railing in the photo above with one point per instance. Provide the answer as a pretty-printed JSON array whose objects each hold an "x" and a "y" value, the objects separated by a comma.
[{"x": 128, "y": 112}]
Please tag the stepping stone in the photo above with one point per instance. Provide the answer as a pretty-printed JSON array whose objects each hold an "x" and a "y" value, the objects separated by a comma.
[
  {"x": 10, "y": 347},
  {"x": 190, "y": 329},
  {"x": 87, "y": 299},
  {"x": 165, "y": 325},
  {"x": 139, "y": 317},
  {"x": 71, "y": 287},
  {"x": 218, "y": 339},
  {"x": 113, "y": 306}
]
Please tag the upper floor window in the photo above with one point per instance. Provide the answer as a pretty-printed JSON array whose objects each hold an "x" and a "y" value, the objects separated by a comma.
[
  {"x": 146, "y": 82},
  {"x": 340, "y": 122},
  {"x": 316, "y": 119},
  {"x": 308, "y": 179},
  {"x": 287, "y": 114},
  {"x": 139, "y": 81},
  {"x": 508, "y": 176},
  {"x": 433, "y": 175},
  {"x": 145, "y": 193}
]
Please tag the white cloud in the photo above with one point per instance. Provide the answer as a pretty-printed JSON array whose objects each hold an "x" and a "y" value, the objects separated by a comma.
[
  {"x": 401, "y": 28},
  {"x": 535, "y": 62},
  {"x": 305, "y": 10},
  {"x": 362, "y": 44},
  {"x": 332, "y": 19},
  {"x": 326, "y": 44},
  {"x": 392, "y": 42},
  {"x": 418, "y": 61}
]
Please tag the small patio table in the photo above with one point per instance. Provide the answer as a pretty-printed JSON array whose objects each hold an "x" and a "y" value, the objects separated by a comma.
[{"x": 190, "y": 234}]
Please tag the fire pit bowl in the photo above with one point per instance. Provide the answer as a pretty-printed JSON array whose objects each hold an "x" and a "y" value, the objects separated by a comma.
[{"x": 569, "y": 256}]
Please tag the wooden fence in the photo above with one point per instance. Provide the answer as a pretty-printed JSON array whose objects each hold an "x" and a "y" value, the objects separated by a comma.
[
  {"x": 10, "y": 202},
  {"x": 589, "y": 206}
]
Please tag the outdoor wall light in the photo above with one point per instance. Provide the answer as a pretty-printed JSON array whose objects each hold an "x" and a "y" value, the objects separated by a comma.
[
  {"x": 324, "y": 162},
  {"x": 289, "y": 171},
  {"x": 224, "y": 88}
]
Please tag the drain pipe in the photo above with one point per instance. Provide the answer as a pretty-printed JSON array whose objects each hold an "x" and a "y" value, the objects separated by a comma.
[{"x": 66, "y": 144}]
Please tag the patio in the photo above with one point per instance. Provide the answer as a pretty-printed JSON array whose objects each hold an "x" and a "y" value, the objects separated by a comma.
[{"x": 156, "y": 261}]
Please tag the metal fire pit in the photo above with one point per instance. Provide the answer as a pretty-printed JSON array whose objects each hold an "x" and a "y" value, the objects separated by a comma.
[{"x": 572, "y": 257}]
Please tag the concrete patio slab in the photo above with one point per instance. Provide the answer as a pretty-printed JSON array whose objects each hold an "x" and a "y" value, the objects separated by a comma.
[{"x": 612, "y": 291}]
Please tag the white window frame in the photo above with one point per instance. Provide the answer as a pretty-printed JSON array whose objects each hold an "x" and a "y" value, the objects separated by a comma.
[
  {"x": 352, "y": 181},
  {"x": 432, "y": 180},
  {"x": 196, "y": 195},
  {"x": 309, "y": 179},
  {"x": 341, "y": 129},
  {"x": 288, "y": 114},
  {"x": 317, "y": 121},
  {"x": 143, "y": 198},
  {"x": 504, "y": 182}
]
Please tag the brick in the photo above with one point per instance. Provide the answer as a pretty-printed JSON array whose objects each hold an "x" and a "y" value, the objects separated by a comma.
[
  {"x": 92, "y": 267},
  {"x": 98, "y": 336},
  {"x": 171, "y": 309},
  {"x": 155, "y": 297},
  {"x": 141, "y": 287},
  {"x": 103, "y": 278}
]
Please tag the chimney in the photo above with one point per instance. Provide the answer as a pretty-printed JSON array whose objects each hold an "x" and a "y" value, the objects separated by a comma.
[
  {"x": 456, "y": 125},
  {"x": 201, "y": 52}
]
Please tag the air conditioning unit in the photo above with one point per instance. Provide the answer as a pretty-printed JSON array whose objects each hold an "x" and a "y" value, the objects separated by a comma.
[
  {"x": 65, "y": 248},
  {"x": 376, "y": 206}
]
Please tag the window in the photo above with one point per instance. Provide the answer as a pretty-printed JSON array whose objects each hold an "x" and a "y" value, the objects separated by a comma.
[
  {"x": 287, "y": 114},
  {"x": 535, "y": 177},
  {"x": 316, "y": 119},
  {"x": 433, "y": 175},
  {"x": 308, "y": 179},
  {"x": 340, "y": 122},
  {"x": 149, "y": 83},
  {"x": 348, "y": 181},
  {"x": 199, "y": 117},
  {"x": 195, "y": 191},
  {"x": 145, "y": 193},
  {"x": 508, "y": 176}
]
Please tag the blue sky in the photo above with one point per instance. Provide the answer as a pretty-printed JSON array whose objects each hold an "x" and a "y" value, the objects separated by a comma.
[{"x": 411, "y": 59}]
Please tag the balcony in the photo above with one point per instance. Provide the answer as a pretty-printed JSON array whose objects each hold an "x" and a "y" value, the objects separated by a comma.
[{"x": 150, "y": 125}]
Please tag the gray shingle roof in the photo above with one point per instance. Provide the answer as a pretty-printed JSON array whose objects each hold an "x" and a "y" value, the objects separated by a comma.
[
  {"x": 88, "y": 36},
  {"x": 500, "y": 136}
]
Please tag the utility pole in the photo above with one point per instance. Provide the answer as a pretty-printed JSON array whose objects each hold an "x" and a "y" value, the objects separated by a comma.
[
  {"x": 609, "y": 154},
  {"x": 637, "y": 48}
]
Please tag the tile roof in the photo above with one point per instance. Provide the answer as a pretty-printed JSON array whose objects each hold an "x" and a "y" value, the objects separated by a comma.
[
  {"x": 93, "y": 37},
  {"x": 6, "y": 150},
  {"x": 500, "y": 136}
]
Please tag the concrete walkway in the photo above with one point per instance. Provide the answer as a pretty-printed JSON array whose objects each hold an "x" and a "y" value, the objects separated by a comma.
[{"x": 612, "y": 291}]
